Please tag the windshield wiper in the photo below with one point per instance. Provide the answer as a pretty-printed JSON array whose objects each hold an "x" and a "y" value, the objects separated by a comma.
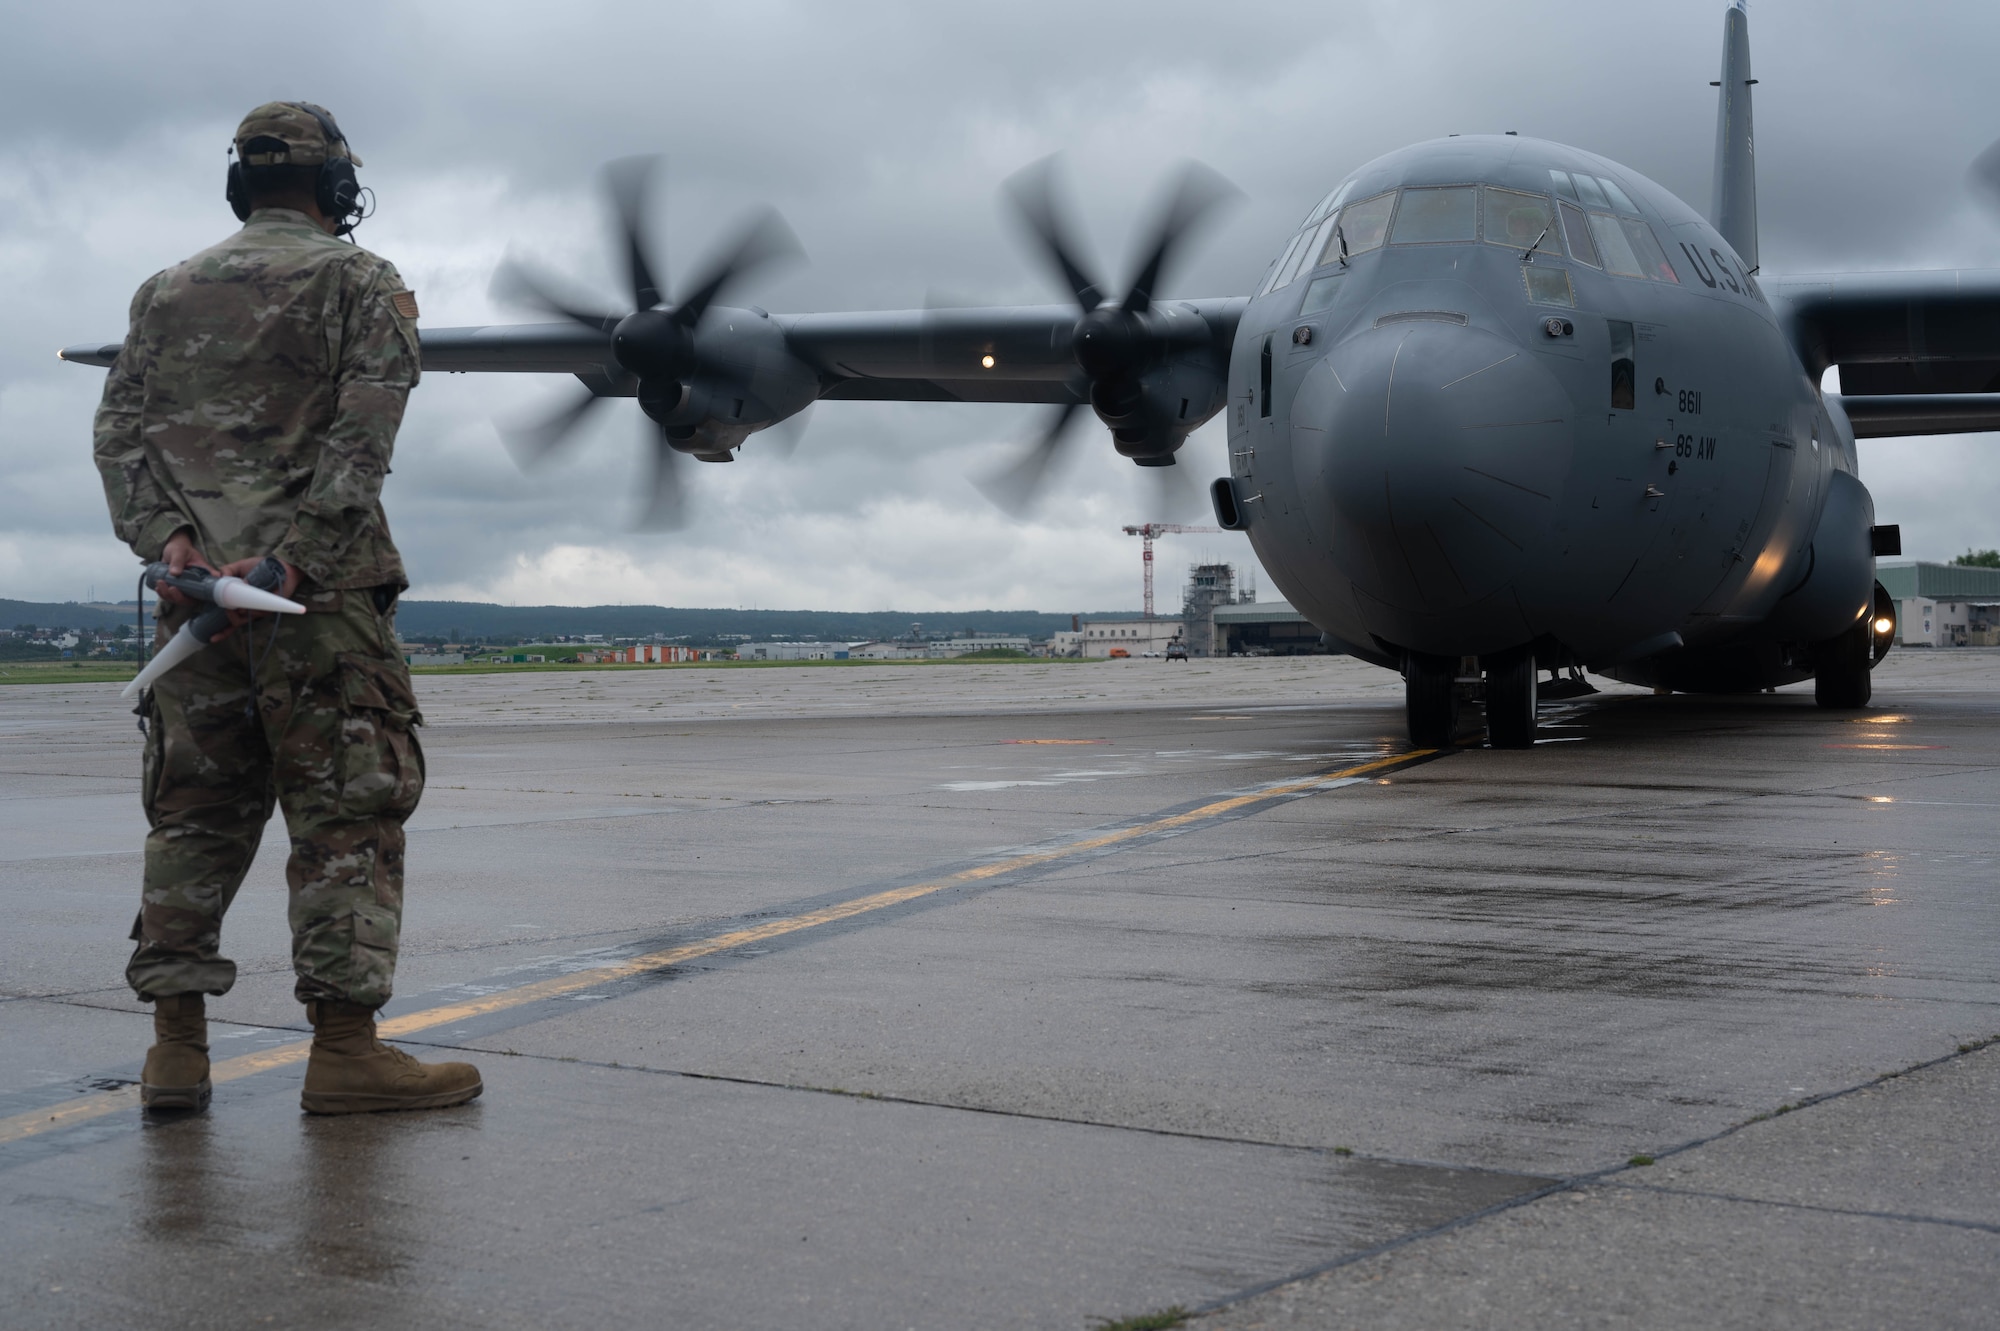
[{"x": 1529, "y": 257}]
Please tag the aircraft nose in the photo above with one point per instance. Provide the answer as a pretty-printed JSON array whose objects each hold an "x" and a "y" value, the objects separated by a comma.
[{"x": 1431, "y": 455}]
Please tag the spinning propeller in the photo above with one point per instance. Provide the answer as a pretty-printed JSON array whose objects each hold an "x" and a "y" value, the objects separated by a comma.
[
  {"x": 1983, "y": 177},
  {"x": 1115, "y": 343},
  {"x": 656, "y": 345}
]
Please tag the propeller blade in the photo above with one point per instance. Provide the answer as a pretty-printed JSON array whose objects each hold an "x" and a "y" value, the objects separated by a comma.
[
  {"x": 787, "y": 433},
  {"x": 1983, "y": 177},
  {"x": 762, "y": 239},
  {"x": 1175, "y": 492},
  {"x": 1032, "y": 191},
  {"x": 1016, "y": 487},
  {"x": 666, "y": 504},
  {"x": 516, "y": 284},
  {"x": 1195, "y": 194},
  {"x": 629, "y": 181},
  {"x": 531, "y": 441}
]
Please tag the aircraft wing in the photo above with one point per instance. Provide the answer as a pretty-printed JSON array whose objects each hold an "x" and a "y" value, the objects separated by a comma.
[
  {"x": 1919, "y": 352},
  {"x": 892, "y": 355}
]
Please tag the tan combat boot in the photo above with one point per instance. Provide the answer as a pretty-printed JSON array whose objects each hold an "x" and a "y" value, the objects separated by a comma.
[
  {"x": 352, "y": 1072},
  {"x": 176, "y": 1075}
]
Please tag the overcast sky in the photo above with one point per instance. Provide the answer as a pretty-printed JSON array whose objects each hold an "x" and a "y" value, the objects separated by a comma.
[{"x": 882, "y": 132}]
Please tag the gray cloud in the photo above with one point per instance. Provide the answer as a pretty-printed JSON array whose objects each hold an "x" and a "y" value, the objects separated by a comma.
[{"x": 882, "y": 131}]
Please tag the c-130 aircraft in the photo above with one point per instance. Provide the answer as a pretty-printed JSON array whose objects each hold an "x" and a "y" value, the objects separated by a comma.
[{"x": 1498, "y": 398}]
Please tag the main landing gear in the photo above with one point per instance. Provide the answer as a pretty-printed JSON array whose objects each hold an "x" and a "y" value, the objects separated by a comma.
[
  {"x": 1841, "y": 667},
  {"x": 1430, "y": 699}
]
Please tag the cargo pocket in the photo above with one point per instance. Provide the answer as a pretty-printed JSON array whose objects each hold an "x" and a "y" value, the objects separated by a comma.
[
  {"x": 372, "y": 963},
  {"x": 152, "y": 761},
  {"x": 381, "y": 762}
]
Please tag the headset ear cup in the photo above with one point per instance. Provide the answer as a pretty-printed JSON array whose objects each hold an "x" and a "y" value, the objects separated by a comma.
[
  {"x": 338, "y": 191},
  {"x": 237, "y": 194}
]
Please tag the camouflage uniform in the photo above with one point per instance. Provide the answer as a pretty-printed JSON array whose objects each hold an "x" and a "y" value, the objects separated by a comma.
[{"x": 256, "y": 402}]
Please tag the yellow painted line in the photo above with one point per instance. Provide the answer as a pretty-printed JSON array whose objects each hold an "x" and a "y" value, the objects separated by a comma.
[{"x": 85, "y": 1108}]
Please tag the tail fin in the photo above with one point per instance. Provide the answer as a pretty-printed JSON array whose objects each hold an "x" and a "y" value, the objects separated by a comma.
[{"x": 1735, "y": 201}]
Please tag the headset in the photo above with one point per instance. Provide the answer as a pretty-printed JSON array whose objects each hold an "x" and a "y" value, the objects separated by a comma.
[{"x": 338, "y": 193}]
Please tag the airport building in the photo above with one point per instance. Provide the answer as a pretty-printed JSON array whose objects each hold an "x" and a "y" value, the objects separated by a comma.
[
  {"x": 1210, "y": 587},
  {"x": 1134, "y": 637},
  {"x": 794, "y": 651},
  {"x": 937, "y": 649},
  {"x": 1943, "y": 605},
  {"x": 1265, "y": 628}
]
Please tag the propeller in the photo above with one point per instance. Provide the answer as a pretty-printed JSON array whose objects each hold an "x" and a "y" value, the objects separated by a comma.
[
  {"x": 1983, "y": 177},
  {"x": 1114, "y": 342},
  {"x": 787, "y": 433},
  {"x": 654, "y": 344}
]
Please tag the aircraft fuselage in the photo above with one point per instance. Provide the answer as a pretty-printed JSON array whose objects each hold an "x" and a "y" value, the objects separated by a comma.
[{"x": 1540, "y": 402}]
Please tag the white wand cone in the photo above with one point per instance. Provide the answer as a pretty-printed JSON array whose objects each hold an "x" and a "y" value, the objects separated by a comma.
[
  {"x": 236, "y": 594},
  {"x": 178, "y": 649}
]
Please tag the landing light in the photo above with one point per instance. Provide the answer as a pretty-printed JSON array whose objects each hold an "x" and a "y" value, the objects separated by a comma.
[
  {"x": 1884, "y": 624},
  {"x": 986, "y": 362}
]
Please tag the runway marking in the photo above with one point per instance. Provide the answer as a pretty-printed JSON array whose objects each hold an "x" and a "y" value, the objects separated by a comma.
[
  {"x": 1055, "y": 741},
  {"x": 98, "y": 1104}
]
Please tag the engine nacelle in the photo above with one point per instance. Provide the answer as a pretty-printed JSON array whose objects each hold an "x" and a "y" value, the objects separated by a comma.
[
  {"x": 751, "y": 381},
  {"x": 1153, "y": 414}
]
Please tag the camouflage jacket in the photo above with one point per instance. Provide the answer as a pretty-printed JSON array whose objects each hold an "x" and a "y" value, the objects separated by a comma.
[{"x": 256, "y": 400}]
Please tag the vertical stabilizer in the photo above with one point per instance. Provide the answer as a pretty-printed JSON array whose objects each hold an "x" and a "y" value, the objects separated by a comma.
[{"x": 1734, "y": 206}]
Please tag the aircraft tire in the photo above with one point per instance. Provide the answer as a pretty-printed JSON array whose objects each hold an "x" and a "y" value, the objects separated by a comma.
[
  {"x": 1430, "y": 700},
  {"x": 1841, "y": 678},
  {"x": 1510, "y": 699}
]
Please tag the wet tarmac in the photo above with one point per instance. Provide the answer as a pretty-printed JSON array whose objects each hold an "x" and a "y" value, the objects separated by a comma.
[{"x": 1023, "y": 996}]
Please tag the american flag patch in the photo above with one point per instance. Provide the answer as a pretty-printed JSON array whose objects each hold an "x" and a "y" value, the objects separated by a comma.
[{"x": 405, "y": 303}]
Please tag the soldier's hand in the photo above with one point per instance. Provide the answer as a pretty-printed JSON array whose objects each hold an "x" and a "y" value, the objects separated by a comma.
[
  {"x": 242, "y": 569},
  {"x": 180, "y": 553}
]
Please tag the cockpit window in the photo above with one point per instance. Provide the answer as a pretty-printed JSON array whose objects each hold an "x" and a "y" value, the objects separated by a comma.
[
  {"x": 1576, "y": 231},
  {"x": 1563, "y": 187},
  {"x": 1433, "y": 216},
  {"x": 1315, "y": 251},
  {"x": 1588, "y": 190},
  {"x": 1647, "y": 247},
  {"x": 1358, "y": 227},
  {"x": 1328, "y": 204},
  {"x": 1290, "y": 269},
  {"x": 1611, "y": 243},
  {"x": 1320, "y": 295},
  {"x": 1619, "y": 198},
  {"x": 1286, "y": 263},
  {"x": 1521, "y": 221}
]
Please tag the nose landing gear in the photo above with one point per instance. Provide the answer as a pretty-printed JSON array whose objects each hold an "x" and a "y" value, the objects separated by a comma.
[
  {"x": 1840, "y": 669},
  {"x": 1510, "y": 698},
  {"x": 1430, "y": 699}
]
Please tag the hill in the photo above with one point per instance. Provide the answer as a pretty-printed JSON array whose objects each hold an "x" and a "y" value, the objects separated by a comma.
[
  {"x": 473, "y": 620},
  {"x": 429, "y": 620},
  {"x": 63, "y": 614}
]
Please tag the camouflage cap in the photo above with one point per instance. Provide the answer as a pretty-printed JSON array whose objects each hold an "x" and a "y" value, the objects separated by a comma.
[{"x": 301, "y": 126}]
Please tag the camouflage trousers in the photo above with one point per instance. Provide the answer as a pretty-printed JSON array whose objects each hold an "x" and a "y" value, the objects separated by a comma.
[{"x": 311, "y": 714}]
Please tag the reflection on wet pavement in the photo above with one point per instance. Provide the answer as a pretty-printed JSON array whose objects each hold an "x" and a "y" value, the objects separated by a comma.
[{"x": 1160, "y": 1072}]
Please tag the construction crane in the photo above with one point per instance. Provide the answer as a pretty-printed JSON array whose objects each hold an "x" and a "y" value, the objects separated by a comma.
[{"x": 1147, "y": 531}]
